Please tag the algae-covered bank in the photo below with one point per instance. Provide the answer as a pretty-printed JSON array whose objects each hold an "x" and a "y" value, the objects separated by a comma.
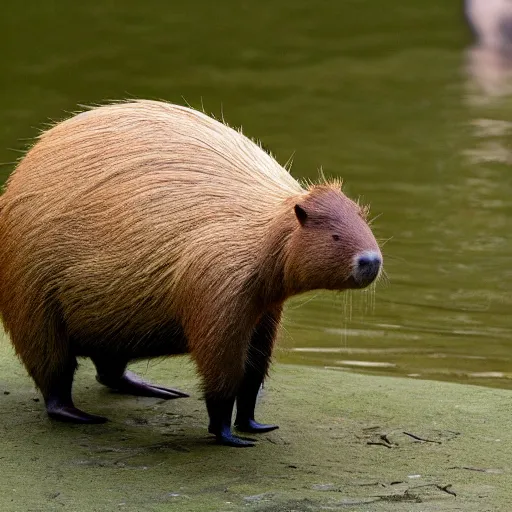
[{"x": 347, "y": 442}]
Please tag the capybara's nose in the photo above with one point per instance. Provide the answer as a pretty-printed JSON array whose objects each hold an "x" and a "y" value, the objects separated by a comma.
[{"x": 367, "y": 267}]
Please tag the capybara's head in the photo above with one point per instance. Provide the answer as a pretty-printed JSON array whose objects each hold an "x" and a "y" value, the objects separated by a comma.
[{"x": 332, "y": 246}]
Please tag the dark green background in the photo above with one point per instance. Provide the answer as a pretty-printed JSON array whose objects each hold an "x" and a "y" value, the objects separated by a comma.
[{"x": 375, "y": 92}]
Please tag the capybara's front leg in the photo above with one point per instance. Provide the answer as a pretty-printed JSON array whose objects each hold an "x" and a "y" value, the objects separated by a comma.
[
  {"x": 256, "y": 367},
  {"x": 220, "y": 345},
  {"x": 220, "y": 411}
]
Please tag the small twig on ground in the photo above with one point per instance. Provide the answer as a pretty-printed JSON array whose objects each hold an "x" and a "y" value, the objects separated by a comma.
[
  {"x": 480, "y": 470},
  {"x": 418, "y": 438},
  {"x": 384, "y": 441},
  {"x": 446, "y": 488},
  {"x": 378, "y": 443},
  {"x": 384, "y": 437}
]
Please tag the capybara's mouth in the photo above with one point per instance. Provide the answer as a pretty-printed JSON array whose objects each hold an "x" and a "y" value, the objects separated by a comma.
[
  {"x": 351, "y": 283},
  {"x": 354, "y": 283},
  {"x": 359, "y": 285}
]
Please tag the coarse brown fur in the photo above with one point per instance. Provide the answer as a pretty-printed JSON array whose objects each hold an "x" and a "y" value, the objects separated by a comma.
[{"x": 144, "y": 229}]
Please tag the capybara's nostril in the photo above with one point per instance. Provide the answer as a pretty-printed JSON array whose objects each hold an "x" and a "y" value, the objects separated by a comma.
[{"x": 367, "y": 267}]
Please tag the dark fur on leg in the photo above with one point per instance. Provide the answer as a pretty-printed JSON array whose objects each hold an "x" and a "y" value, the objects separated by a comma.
[
  {"x": 220, "y": 411},
  {"x": 258, "y": 361},
  {"x": 59, "y": 403}
]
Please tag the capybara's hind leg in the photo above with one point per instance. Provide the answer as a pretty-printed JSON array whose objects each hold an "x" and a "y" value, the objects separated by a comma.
[
  {"x": 111, "y": 372},
  {"x": 58, "y": 399},
  {"x": 256, "y": 367},
  {"x": 41, "y": 340}
]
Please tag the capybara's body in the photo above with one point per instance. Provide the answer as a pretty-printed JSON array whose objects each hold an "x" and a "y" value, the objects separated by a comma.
[{"x": 146, "y": 229}]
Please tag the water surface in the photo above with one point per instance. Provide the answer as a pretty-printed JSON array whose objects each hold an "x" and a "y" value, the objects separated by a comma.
[{"x": 389, "y": 98}]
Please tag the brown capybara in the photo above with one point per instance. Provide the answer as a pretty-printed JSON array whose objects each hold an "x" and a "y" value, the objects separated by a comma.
[{"x": 145, "y": 229}]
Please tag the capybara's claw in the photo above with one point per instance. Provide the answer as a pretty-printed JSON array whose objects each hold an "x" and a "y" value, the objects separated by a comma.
[
  {"x": 70, "y": 414},
  {"x": 173, "y": 391},
  {"x": 131, "y": 384},
  {"x": 235, "y": 441},
  {"x": 225, "y": 437},
  {"x": 253, "y": 427}
]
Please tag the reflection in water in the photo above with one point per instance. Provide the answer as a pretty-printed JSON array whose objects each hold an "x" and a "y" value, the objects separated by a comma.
[
  {"x": 491, "y": 21},
  {"x": 489, "y": 88},
  {"x": 490, "y": 75},
  {"x": 489, "y": 61}
]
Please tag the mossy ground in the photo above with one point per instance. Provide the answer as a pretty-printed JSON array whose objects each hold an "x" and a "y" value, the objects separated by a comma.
[{"x": 346, "y": 441}]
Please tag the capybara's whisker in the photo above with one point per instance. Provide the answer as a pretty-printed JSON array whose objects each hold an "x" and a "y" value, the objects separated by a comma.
[
  {"x": 373, "y": 219},
  {"x": 383, "y": 242}
]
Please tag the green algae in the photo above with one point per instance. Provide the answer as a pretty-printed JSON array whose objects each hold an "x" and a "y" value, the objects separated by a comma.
[{"x": 346, "y": 442}]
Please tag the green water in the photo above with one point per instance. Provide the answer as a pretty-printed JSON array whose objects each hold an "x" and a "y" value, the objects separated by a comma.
[{"x": 378, "y": 93}]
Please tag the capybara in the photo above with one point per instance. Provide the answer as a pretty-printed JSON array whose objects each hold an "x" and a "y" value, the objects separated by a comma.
[{"x": 145, "y": 229}]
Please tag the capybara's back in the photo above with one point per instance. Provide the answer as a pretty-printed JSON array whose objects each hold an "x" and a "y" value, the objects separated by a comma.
[{"x": 146, "y": 229}]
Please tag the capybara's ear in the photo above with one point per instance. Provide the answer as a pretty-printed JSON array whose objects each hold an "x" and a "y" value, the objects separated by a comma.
[{"x": 301, "y": 214}]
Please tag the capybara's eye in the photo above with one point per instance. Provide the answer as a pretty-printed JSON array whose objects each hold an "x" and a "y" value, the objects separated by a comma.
[{"x": 336, "y": 237}]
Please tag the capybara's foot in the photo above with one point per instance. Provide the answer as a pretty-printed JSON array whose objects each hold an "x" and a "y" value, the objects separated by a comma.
[
  {"x": 130, "y": 384},
  {"x": 226, "y": 438},
  {"x": 70, "y": 414},
  {"x": 220, "y": 410},
  {"x": 253, "y": 426}
]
